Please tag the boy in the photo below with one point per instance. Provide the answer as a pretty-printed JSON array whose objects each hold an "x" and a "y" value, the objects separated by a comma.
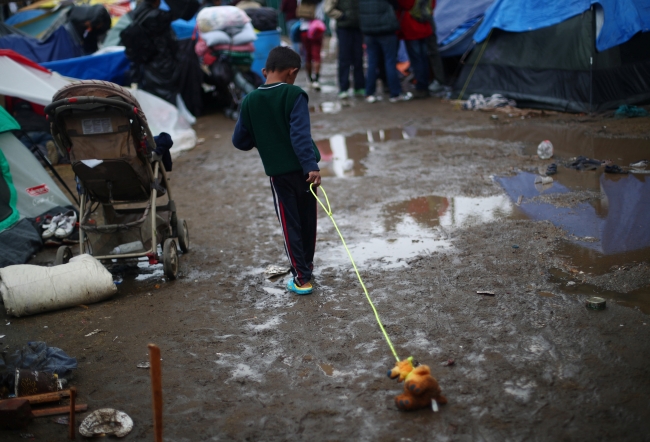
[{"x": 275, "y": 119}]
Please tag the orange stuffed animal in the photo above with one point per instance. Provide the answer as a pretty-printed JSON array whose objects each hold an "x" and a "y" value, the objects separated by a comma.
[{"x": 419, "y": 386}]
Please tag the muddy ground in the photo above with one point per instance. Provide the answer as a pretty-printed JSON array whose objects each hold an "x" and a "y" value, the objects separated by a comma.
[{"x": 418, "y": 191}]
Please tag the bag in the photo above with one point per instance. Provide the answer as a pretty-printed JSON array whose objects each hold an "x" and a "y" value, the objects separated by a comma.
[
  {"x": 221, "y": 72},
  {"x": 263, "y": 19},
  {"x": 421, "y": 11},
  {"x": 306, "y": 11},
  {"x": 316, "y": 30},
  {"x": 138, "y": 46}
]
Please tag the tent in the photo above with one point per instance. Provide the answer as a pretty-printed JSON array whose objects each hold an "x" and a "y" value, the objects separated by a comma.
[
  {"x": 576, "y": 56},
  {"x": 26, "y": 191},
  {"x": 456, "y": 23}
]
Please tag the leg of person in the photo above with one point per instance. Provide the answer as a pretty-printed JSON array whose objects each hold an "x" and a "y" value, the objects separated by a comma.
[
  {"x": 346, "y": 52},
  {"x": 357, "y": 62},
  {"x": 418, "y": 56},
  {"x": 389, "y": 48},
  {"x": 306, "y": 54},
  {"x": 316, "y": 45},
  {"x": 308, "y": 222},
  {"x": 287, "y": 190},
  {"x": 434, "y": 57},
  {"x": 373, "y": 48}
]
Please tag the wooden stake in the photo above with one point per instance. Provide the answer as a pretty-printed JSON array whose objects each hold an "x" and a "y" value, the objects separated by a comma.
[
  {"x": 45, "y": 397},
  {"x": 72, "y": 433},
  {"x": 156, "y": 389},
  {"x": 59, "y": 410}
]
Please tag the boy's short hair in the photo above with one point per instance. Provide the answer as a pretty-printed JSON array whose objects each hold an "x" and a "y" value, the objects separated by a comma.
[{"x": 281, "y": 58}]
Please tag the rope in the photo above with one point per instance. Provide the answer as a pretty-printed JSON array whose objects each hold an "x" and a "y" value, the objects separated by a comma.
[
  {"x": 328, "y": 210},
  {"x": 471, "y": 74}
]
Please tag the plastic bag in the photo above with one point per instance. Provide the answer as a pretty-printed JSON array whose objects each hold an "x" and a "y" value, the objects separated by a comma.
[{"x": 221, "y": 18}]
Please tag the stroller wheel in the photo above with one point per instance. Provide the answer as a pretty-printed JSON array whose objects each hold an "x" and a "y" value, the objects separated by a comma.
[
  {"x": 170, "y": 259},
  {"x": 183, "y": 236},
  {"x": 63, "y": 255}
]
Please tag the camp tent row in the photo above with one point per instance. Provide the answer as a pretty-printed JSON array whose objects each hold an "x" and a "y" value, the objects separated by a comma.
[{"x": 575, "y": 56}]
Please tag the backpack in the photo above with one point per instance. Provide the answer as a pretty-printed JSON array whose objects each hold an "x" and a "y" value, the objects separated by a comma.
[
  {"x": 421, "y": 11},
  {"x": 138, "y": 45}
]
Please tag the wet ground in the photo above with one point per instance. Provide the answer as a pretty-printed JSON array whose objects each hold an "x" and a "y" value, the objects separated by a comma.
[{"x": 436, "y": 204}]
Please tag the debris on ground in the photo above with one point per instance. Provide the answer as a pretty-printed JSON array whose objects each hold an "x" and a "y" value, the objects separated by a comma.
[
  {"x": 273, "y": 271},
  {"x": 545, "y": 150},
  {"x": 143, "y": 365},
  {"x": 627, "y": 111},
  {"x": 106, "y": 422},
  {"x": 485, "y": 292}
]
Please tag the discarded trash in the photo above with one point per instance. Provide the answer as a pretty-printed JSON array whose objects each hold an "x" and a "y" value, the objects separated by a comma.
[
  {"x": 515, "y": 246},
  {"x": 570, "y": 283},
  {"x": 63, "y": 420},
  {"x": 2, "y": 336},
  {"x": 35, "y": 356},
  {"x": 434, "y": 405},
  {"x": 94, "y": 332},
  {"x": 543, "y": 180},
  {"x": 639, "y": 164},
  {"x": 485, "y": 292},
  {"x": 143, "y": 365},
  {"x": 630, "y": 111},
  {"x": 448, "y": 363},
  {"x": 551, "y": 169},
  {"x": 129, "y": 247},
  {"x": 273, "y": 270},
  {"x": 106, "y": 422},
  {"x": 29, "y": 382},
  {"x": 30, "y": 289},
  {"x": 520, "y": 199},
  {"x": 545, "y": 150},
  {"x": 596, "y": 303},
  {"x": 117, "y": 280},
  {"x": 615, "y": 169},
  {"x": 584, "y": 163}
]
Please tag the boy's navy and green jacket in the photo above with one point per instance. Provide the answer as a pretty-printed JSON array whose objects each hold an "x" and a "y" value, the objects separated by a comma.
[{"x": 275, "y": 119}]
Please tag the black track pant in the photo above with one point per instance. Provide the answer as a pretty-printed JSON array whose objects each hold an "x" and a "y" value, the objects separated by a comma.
[{"x": 295, "y": 207}]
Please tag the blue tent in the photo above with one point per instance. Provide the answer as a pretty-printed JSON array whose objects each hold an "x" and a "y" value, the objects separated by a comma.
[
  {"x": 456, "y": 22},
  {"x": 111, "y": 66},
  {"x": 59, "y": 45}
]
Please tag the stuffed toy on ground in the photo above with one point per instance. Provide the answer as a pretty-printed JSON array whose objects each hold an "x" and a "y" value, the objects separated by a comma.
[{"x": 419, "y": 386}]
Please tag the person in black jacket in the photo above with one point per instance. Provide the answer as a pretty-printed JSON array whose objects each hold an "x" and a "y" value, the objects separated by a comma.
[
  {"x": 150, "y": 44},
  {"x": 379, "y": 26}
]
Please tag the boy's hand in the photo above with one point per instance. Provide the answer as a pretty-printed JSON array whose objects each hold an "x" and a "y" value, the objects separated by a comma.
[{"x": 314, "y": 177}]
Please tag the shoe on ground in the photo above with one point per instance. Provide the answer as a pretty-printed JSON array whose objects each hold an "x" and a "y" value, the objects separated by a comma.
[
  {"x": 67, "y": 225},
  {"x": 402, "y": 97},
  {"x": 373, "y": 98},
  {"x": 435, "y": 87},
  {"x": 315, "y": 85},
  {"x": 551, "y": 169},
  {"x": 51, "y": 228},
  {"x": 418, "y": 94},
  {"x": 343, "y": 95},
  {"x": 305, "y": 289},
  {"x": 359, "y": 92}
]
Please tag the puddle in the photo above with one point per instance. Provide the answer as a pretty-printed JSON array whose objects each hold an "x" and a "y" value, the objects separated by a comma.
[
  {"x": 343, "y": 156},
  {"x": 636, "y": 298},
  {"x": 327, "y": 107},
  {"x": 569, "y": 142},
  {"x": 327, "y": 369}
]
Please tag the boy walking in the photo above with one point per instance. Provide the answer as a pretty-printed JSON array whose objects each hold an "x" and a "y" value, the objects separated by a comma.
[{"x": 275, "y": 119}]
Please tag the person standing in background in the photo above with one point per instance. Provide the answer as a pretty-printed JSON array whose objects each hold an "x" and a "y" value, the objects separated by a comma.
[
  {"x": 435, "y": 62},
  {"x": 312, "y": 30},
  {"x": 346, "y": 14},
  {"x": 415, "y": 29},
  {"x": 379, "y": 25},
  {"x": 288, "y": 8}
]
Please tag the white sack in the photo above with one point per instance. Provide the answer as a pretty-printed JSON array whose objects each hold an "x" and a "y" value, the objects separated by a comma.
[
  {"x": 29, "y": 289},
  {"x": 214, "y": 38},
  {"x": 221, "y": 18},
  {"x": 243, "y": 37}
]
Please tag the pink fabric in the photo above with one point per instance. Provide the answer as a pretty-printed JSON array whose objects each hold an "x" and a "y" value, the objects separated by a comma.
[{"x": 316, "y": 30}]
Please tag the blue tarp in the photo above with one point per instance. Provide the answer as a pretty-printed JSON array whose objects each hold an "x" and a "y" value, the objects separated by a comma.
[
  {"x": 622, "y": 18},
  {"x": 451, "y": 14},
  {"x": 22, "y": 16},
  {"x": 183, "y": 29},
  {"x": 60, "y": 45},
  {"x": 112, "y": 66}
]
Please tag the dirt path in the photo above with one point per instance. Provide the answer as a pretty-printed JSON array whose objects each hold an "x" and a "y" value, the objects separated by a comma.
[{"x": 418, "y": 199}]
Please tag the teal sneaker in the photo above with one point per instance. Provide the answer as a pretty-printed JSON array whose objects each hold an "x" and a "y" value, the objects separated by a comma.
[
  {"x": 343, "y": 95},
  {"x": 359, "y": 92},
  {"x": 305, "y": 289}
]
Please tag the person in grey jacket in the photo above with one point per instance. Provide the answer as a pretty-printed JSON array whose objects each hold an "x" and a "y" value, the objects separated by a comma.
[
  {"x": 346, "y": 14},
  {"x": 379, "y": 26}
]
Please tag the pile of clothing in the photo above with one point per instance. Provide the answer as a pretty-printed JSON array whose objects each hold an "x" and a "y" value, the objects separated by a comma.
[{"x": 226, "y": 33}]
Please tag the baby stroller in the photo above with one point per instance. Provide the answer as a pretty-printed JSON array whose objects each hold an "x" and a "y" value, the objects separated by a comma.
[{"x": 119, "y": 178}]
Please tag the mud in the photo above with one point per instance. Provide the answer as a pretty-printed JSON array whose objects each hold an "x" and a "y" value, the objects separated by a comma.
[{"x": 428, "y": 198}]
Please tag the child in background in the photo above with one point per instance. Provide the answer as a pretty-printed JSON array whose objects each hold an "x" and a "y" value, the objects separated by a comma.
[{"x": 275, "y": 119}]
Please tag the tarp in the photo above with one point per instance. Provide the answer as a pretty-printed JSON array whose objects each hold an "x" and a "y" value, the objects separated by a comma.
[
  {"x": 451, "y": 14},
  {"x": 622, "y": 18},
  {"x": 109, "y": 64},
  {"x": 45, "y": 24},
  {"x": 58, "y": 46}
]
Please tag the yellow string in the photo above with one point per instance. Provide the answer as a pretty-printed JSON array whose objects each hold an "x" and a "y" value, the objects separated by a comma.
[
  {"x": 328, "y": 210},
  {"x": 471, "y": 74}
]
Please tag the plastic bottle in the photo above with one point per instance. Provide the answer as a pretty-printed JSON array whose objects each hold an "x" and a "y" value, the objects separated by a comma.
[
  {"x": 129, "y": 247},
  {"x": 545, "y": 150}
]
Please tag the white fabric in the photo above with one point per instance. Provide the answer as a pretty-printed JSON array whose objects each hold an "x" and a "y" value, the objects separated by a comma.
[
  {"x": 221, "y": 18},
  {"x": 37, "y": 193},
  {"x": 164, "y": 117},
  {"x": 29, "y": 289},
  {"x": 18, "y": 80},
  {"x": 245, "y": 36}
]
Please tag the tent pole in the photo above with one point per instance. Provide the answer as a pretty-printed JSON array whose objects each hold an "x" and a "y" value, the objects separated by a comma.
[{"x": 591, "y": 83}]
